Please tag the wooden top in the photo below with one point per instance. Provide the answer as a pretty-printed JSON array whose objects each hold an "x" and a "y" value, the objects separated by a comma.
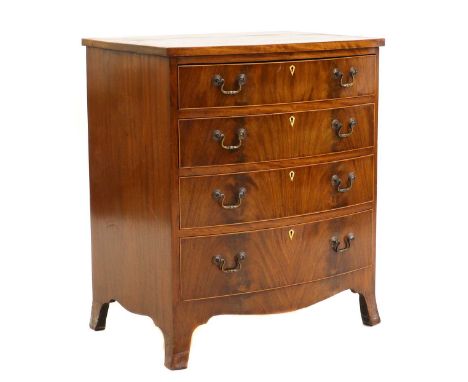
[{"x": 243, "y": 43}]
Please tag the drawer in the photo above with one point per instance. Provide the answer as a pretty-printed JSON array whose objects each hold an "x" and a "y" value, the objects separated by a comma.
[
  {"x": 259, "y": 260},
  {"x": 217, "y": 141},
  {"x": 244, "y": 84},
  {"x": 261, "y": 195}
]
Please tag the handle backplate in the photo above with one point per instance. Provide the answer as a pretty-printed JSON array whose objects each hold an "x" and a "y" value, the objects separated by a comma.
[
  {"x": 219, "y": 82},
  {"x": 220, "y": 262},
  {"x": 338, "y": 74},
  {"x": 219, "y": 136},
  {"x": 219, "y": 196},
  {"x": 336, "y": 182},
  {"x": 338, "y": 126},
  {"x": 335, "y": 243}
]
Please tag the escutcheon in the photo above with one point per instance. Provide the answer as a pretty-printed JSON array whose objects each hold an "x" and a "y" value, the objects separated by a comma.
[
  {"x": 292, "y": 69},
  {"x": 292, "y": 119}
]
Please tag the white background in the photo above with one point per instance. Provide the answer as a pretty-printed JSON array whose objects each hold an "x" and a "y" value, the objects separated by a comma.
[{"x": 45, "y": 269}]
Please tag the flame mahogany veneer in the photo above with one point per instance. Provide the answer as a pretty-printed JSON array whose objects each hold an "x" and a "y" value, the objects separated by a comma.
[{"x": 231, "y": 174}]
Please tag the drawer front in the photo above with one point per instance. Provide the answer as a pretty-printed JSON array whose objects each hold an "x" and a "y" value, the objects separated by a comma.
[
  {"x": 275, "y": 82},
  {"x": 259, "y": 260},
  {"x": 217, "y": 141},
  {"x": 261, "y": 195}
]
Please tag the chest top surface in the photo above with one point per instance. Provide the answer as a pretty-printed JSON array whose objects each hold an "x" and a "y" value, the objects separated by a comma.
[{"x": 239, "y": 43}]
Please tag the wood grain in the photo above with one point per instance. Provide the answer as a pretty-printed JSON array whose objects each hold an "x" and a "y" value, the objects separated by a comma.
[
  {"x": 273, "y": 56},
  {"x": 197, "y": 312},
  {"x": 225, "y": 44},
  {"x": 272, "y": 194},
  {"x": 277, "y": 300},
  {"x": 273, "y": 257},
  {"x": 273, "y": 136},
  {"x": 153, "y": 165},
  {"x": 272, "y": 83},
  {"x": 274, "y": 223},
  {"x": 275, "y": 164},
  {"x": 130, "y": 219},
  {"x": 239, "y": 111}
]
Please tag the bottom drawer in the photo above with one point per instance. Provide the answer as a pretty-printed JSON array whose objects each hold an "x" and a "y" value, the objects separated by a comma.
[{"x": 240, "y": 263}]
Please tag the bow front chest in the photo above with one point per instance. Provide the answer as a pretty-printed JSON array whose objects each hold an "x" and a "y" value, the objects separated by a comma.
[{"x": 231, "y": 174}]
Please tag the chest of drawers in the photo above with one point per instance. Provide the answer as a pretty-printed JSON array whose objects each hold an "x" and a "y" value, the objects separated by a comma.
[{"x": 231, "y": 174}]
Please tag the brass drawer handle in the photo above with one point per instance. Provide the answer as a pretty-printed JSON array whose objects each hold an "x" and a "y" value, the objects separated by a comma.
[
  {"x": 220, "y": 262},
  {"x": 337, "y": 126},
  {"x": 336, "y": 182},
  {"x": 339, "y": 75},
  {"x": 219, "y": 196},
  {"x": 335, "y": 243},
  {"x": 218, "y": 81},
  {"x": 219, "y": 136}
]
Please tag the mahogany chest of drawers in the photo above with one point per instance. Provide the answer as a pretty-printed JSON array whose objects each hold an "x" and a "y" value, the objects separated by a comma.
[{"x": 231, "y": 174}]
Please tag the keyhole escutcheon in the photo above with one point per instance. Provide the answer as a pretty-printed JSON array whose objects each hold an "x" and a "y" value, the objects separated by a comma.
[
  {"x": 292, "y": 119},
  {"x": 292, "y": 69}
]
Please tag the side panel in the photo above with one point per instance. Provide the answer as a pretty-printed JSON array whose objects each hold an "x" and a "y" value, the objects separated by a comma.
[{"x": 129, "y": 161}]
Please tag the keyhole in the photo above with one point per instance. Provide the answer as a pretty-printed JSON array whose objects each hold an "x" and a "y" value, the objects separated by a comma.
[
  {"x": 291, "y": 234},
  {"x": 292, "y": 119},
  {"x": 291, "y": 175},
  {"x": 292, "y": 69}
]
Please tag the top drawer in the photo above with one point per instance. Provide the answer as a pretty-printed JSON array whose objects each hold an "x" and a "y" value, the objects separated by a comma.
[{"x": 275, "y": 82}]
